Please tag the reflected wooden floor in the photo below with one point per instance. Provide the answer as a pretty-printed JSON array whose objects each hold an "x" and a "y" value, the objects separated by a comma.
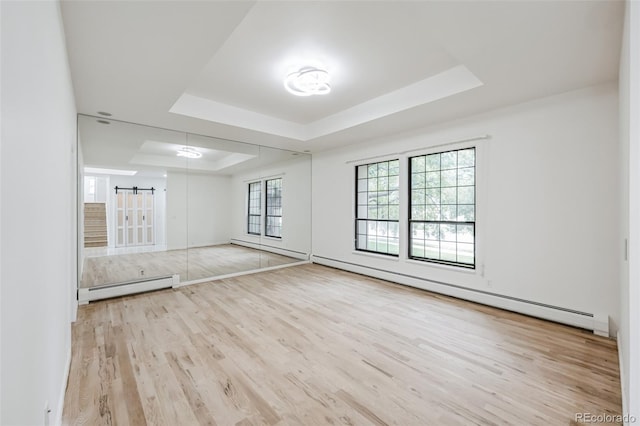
[
  {"x": 192, "y": 264},
  {"x": 310, "y": 345}
]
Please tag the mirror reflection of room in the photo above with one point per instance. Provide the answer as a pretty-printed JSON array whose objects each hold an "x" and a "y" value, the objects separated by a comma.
[{"x": 164, "y": 205}]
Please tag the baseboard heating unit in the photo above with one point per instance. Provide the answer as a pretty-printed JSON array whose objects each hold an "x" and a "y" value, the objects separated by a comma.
[
  {"x": 596, "y": 322},
  {"x": 86, "y": 295}
]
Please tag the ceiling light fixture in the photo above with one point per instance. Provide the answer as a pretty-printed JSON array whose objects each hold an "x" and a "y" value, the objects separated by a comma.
[
  {"x": 188, "y": 152},
  {"x": 308, "y": 81}
]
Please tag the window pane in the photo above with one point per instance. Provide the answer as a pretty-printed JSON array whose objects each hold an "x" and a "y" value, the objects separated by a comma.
[
  {"x": 417, "y": 248},
  {"x": 433, "y": 179},
  {"x": 254, "y": 208},
  {"x": 372, "y": 212},
  {"x": 448, "y": 251},
  {"x": 394, "y": 182},
  {"x": 449, "y": 160},
  {"x": 449, "y": 212},
  {"x": 432, "y": 231},
  {"x": 448, "y": 233},
  {"x": 417, "y": 180},
  {"x": 466, "y": 195},
  {"x": 383, "y": 169},
  {"x": 466, "y": 176},
  {"x": 394, "y": 197},
  {"x": 418, "y": 197},
  {"x": 466, "y": 213},
  {"x": 362, "y": 227},
  {"x": 394, "y": 246},
  {"x": 449, "y": 177},
  {"x": 417, "y": 164},
  {"x": 383, "y": 183},
  {"x": 432, "y": 212},
  {"x": 393, "y": 229},
  {"x": 394, "y": 168},
  {"x": 432, "y": 196},
  {"x": 465, "y": 253},
  {"x": 378, "y": 201},
  {"x": 273, "y": 226},
  {"x": 383, "y": 212},
  {"x": 465, "y": 233},
  {"x": 394, "y": 212},
  {"x": 432, "y": 162},
  {"x": 444, "y": 197},
  {"x": 432, "y": 249},
  {"x": 418, "y": 213},
  {"x": 448, "y": 195},
  {"x": 467, "y": 157}
]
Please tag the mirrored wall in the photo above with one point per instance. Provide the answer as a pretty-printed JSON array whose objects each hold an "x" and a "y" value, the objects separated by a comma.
[{"x": 160, "y": 204}]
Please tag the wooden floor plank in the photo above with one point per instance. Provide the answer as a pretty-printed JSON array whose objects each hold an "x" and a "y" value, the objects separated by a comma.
[{"x": 310, "y": 345}]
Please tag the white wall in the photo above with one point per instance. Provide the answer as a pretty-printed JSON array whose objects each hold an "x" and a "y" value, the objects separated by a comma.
[
  {"x": 296, "y": 207},
  {"x": 629, "y": 335},
  {"x": 37, "y": 199},
  {"x": 197, "y": 210},
  {"x": 548, "y": 208},
  {"x": 160, "y": 195}
]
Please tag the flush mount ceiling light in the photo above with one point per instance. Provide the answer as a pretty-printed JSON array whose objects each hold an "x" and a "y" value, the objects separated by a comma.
[
  {"x": 189, "y": 153},
  {"x": 308, "y": 81}
]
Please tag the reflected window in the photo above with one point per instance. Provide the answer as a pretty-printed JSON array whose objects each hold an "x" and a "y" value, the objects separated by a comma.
[
  {"x": 273, "y": 224},
  {"x": 254, "y": 209},
  {"x": 378, "y": 207},
  {"x": 442, "y": 209}
]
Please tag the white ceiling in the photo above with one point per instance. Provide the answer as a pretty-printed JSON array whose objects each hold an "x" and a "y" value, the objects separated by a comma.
[
  {"x": 394, "y": 65},
  {"x": 152, "y": 151}
]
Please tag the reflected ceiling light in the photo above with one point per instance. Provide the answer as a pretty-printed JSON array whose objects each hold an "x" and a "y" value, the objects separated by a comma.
[
  {"x": 189, "y": 153},
  {"x": 308, "y": 81}
]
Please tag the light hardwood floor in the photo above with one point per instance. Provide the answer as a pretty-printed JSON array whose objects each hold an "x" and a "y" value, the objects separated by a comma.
[
  {"x": 310, "y": 345},
  {"x": 192, "y": 264}
]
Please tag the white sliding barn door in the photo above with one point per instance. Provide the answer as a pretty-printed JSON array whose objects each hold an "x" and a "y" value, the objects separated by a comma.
[{"x": 134, "y": 218}]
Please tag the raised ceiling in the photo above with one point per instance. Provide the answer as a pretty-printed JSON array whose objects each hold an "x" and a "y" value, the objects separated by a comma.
[{"x": 216, "y": 68}]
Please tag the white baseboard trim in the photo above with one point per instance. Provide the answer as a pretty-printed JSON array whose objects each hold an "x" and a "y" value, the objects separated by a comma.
[
  {"x": 625, "y": 402},
  {"x": 63, "y": 390},
  {"x": 86, "y": 295},
  {"x": 561, "y": 315},
  {"x": 238, "y": 274},
  {"x": 272, "y": 249}
]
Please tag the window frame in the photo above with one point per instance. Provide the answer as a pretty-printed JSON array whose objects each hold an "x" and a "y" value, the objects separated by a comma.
[
  {"x": 410, "y": 220},
  {"x": 358, "y": 219},
  {"x": 267, "y": 206},
  {"x": 249, "y": 207}
]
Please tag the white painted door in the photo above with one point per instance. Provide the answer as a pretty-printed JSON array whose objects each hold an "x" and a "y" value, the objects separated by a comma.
[{"x": 134, "y": 218}]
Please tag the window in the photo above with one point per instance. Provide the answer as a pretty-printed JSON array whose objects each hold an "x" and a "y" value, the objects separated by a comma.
[
  {"x": 378, "y": 207},
  {"x": 442, "y": 207},
  {"x": 254, "y": 210},
  {"x": 273, "y": 225}
]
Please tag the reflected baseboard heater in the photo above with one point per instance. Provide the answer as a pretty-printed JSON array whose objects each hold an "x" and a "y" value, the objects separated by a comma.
[{"x": 107, "y": 291}]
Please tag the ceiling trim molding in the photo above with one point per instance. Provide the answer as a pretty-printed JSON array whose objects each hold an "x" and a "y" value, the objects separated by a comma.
[{"x": 447, "y": 83}]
